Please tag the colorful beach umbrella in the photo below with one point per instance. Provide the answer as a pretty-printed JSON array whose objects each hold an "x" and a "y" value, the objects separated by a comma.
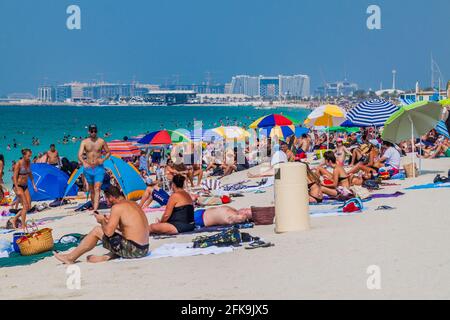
[
  {"x": 299, "y": 131},
  {"x": 161, "y": 137},
  {"x": 282, "y": 132},
  {"x": 179, "y": 136},
  {"x": 123, "y": 149},
  {"x": 441, "y": 128},
  {"x": 271, "y": 120},
  {"x": 412, "y": 121},
  {"x": 232, "y": 132},
  {"x": 326, "y": 116},
  {"x": 372, "y": 113}
]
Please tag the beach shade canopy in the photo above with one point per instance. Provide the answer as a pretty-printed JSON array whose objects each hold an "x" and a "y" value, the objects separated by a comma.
[
  {"x": 441, "y": 128},
  {"x": 50, "y": 182},
  {"x": 126, "y": 174},
  {"x": 123, "y": 149},
  {"x": 282, "y": 132},
  {"x": 326, "y": 116},
  {"x": 412, "y": 121},
  {"x": 271, "y": 120},
  {"x": 231, "y": 132},
  {"x": 161, "y": 137},
  {"x": 372, "y": 113}
]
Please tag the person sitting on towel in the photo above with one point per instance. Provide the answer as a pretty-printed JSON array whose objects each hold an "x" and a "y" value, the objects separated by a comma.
[
  {"x": 124, "y": 232},
  {"x": 154, "y": 192},
  {"x": 221, "y": 216},
  {"x": 179, "y": 214}
]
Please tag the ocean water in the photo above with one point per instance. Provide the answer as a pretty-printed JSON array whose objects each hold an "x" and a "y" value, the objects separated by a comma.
[{"x": 51, "y": 123}]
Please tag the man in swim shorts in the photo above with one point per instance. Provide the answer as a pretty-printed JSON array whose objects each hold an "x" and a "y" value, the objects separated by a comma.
[
  {"x": 90, "y": 155},
  {"x": 124, "y": 232}
]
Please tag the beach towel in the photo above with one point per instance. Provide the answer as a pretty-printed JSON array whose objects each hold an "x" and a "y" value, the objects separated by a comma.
[
  {"x": 384, "y": 196},
  {"x": 180, "y": 250},
  {"x": 429, "y": 186},
  {"x": 211, "y": 229},
  {"x": 15, "y": 259},
  {"x": 211, "y": 184}
]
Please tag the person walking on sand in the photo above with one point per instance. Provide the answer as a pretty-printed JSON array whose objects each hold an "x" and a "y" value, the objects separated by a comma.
[
  {"x": 90, "y": 155},
  {"x": 124, "y": 232},
  {"x": 52, "y": 156},
  {"x": 22, "y": 172}
]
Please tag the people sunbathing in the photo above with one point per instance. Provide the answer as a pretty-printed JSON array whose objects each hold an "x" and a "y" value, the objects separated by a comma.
[
  {"x": 221, "y": 216},
  {"x": 124, "y": 232},
  {"x": 333, "y": 181}
]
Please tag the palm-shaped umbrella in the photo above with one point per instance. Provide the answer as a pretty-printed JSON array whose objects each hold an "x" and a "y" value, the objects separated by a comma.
[{"x": 412, "y": 121}]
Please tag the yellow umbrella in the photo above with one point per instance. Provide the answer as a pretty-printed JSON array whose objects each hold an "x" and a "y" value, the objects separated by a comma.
[
  {"x": 231, "y": 132},
  {"x": 326, "y": 116}
]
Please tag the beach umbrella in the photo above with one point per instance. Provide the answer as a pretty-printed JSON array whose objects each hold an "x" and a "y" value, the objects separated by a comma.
[
  {"x": 282, "y": 132},
  {"x": 204, "y": 135},
  {"x": 371, "y": 113},
  {"x": 412, "y": 121},
  {"x": 445, "y": 102},
  {"x": 343, "y": 129},
  {"x": 123, "y": 149},
  {"x": 299, "y": 131},
  {"x": 50, "y": 182},
  {"x": 271, "y": 120},
  {"x": 232, "y": 132},
  {"x": 326, "y": 116},
  {"x": 179, "y": 137},
  {"x": 441, "y": 128},
  {"x": 161, "y": 137}
]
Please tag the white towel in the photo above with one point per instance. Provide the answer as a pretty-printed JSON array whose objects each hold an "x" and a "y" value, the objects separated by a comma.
[{"x": 181, "y": 250}]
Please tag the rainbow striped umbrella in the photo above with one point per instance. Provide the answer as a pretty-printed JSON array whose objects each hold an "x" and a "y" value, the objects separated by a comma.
[
  {"x": 123, "y": 149},
  {"x": 271, "y": 120},
  {"x": 282, "y": 132}
]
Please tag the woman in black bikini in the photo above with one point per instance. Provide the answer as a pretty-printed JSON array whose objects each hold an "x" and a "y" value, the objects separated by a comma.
[
  {"x": 22, "y": 171},
  {"x": 314, "y": 187},
  {"x": 339, "y": 177},
  {"x": 179, "y": 214}
]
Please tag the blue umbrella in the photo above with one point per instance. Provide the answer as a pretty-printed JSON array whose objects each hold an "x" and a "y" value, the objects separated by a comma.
[
  {"x": 349, "y": 124},
  {"x": 50, "y": 182},
  {"x": 441, "y": 128},
  {"x": 299, "y": 131},
  {"x": 372, "y": 113}
]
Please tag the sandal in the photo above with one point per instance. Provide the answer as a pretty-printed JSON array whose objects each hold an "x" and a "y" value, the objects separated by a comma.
[{"x": 259, "y": 244}]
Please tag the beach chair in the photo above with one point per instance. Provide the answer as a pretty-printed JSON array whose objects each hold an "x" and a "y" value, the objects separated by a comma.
[{"x": 160, "y": 176}]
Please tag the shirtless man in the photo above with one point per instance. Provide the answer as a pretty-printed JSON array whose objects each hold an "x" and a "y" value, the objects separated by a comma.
[
  {"x": 52, "y": 156},
  {"x": 124, "y": 232},
  {"x": 305, "y": 144},
  {"x": 90, "y": 155}
]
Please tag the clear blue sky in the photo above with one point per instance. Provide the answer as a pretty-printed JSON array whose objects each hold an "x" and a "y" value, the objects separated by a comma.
[{"x": 154, "y": 39}]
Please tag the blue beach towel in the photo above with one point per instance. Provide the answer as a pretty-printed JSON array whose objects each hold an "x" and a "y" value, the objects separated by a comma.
[{"x": 429, "y": 186}]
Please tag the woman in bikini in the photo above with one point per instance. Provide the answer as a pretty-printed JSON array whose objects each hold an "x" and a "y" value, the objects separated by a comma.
[
  {"x": 314, "y": 186},
  {"x": 341, "y": 152},
  {"x": 179, "y": 214},
  {"x": 338, "y": 178},
  {"x": 22, "y": 172}
]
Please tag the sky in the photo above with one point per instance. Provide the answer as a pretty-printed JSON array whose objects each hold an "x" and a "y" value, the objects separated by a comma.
[{"x": 159, "y": 41}]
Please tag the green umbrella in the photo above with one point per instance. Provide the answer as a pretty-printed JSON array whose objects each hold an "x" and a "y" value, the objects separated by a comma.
[
  {"x": 179, "y": 136},
  {"x": 445, "y": 102},
  {"x": 342, "y": 129},
  {"x": 412, "y": 121}
]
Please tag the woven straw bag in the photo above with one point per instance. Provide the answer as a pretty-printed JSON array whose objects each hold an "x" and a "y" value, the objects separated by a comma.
[
  {"x": 263, "y": 216},
  {"x": 409, "y": 170},
  {"x": 36, "y": 241}
]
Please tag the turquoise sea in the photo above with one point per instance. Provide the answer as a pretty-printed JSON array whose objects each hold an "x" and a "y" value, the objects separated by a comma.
[{"x": 51, "y": 123}]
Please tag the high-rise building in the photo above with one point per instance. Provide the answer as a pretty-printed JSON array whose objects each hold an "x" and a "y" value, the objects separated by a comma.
[
  {"x": 295, "y": 86},
  {"x": 46, "y": 94},
  {"x": 269, "y": 87},
  {"x": 337, "y": 89},
  {"x": 244, "y": 84}
]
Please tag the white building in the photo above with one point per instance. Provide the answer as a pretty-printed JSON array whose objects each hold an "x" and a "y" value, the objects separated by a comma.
[
  {"x": 244, "y": 84},
  {"x": 295, "y": 86}
]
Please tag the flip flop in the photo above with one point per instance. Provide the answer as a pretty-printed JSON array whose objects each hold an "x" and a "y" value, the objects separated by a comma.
[
  {"x": 259, "y": 244},
  {"x": 384, "y": 208}
]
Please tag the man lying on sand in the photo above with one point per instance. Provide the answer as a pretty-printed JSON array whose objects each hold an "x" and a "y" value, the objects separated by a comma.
[{"x": 124, "y": 232}]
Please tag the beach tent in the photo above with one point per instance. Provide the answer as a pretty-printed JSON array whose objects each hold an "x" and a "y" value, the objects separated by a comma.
[
  {"x": 50, "y": 182},
  {"x": 125, "y": 173},
  {"x": 372, "y": 113}
]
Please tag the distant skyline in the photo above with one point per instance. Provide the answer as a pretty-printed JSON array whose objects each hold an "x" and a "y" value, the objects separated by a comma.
[{"x": 191, "y": 40}]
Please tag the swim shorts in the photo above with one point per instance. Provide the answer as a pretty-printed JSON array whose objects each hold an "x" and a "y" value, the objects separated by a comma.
[
  {"x": 126, "y": 249},
  {"x": 94, "y": 175},
  {"x": 198, "y": 218}
]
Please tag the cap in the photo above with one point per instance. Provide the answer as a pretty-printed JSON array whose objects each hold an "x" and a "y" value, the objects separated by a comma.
[
  {"x": 375, "y": 143},
  {"x": 92, "y": 127}
]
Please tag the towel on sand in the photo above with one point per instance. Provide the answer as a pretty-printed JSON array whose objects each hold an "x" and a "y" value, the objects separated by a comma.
[
  {"x": 181, "y": 250},
  {"x": 429, "y": 186},
  {"x": 16, "y": 259}
]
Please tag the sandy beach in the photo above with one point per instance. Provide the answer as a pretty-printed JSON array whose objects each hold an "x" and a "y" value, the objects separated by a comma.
[{"x": 408, "y": 245}]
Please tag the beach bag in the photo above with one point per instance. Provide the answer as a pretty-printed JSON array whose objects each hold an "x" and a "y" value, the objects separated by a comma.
[
  {"x": 36, "y": 241},
  {"x": 371, "y": 185},
  {"x": 353, "y": 205},
  {"x": 263, "y": 216},
  {"x": 360, "y": 192},
  {"x": 226, "y": 238},
  {"x": 409, "y": 170}
]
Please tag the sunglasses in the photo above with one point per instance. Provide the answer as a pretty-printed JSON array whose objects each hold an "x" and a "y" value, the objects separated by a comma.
[{"x": 93, "y": 131}]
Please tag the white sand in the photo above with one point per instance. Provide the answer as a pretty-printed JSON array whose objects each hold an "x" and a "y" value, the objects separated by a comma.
[{"x": 409, "y": 245}]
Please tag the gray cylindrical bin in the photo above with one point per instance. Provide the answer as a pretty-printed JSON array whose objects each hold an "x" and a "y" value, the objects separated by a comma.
[{"x": 291, "y": 198}]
